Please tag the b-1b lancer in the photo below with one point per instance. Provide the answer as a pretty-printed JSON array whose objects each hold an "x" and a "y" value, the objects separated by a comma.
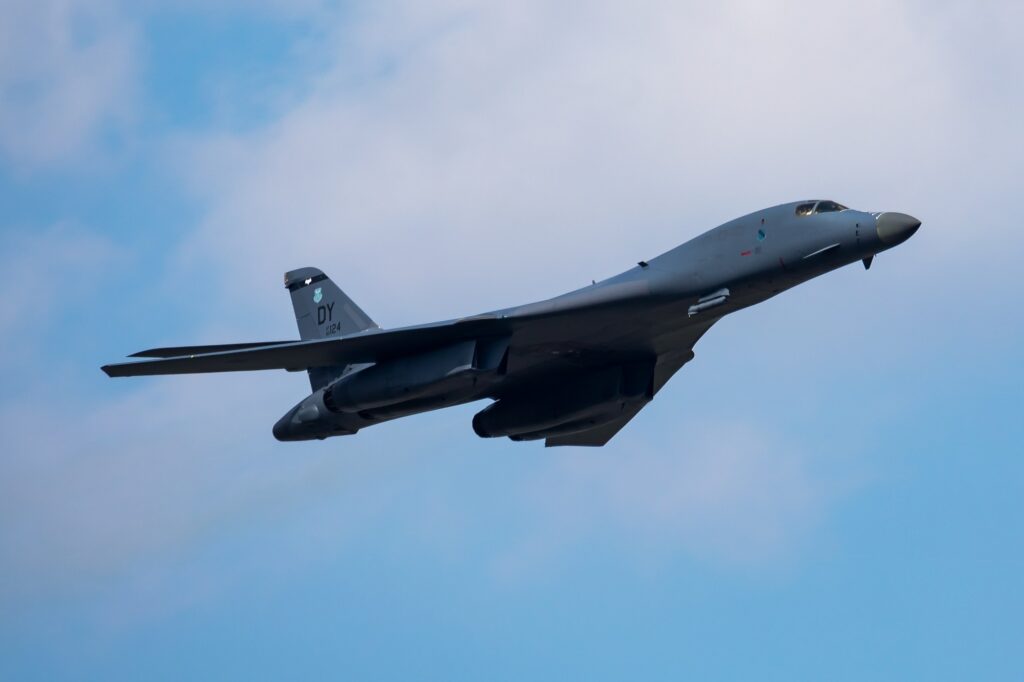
[{"x": 570, "y": 370}]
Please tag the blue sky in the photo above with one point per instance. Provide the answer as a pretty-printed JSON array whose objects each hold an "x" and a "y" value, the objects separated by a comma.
[{"x": 832, "y": 489}]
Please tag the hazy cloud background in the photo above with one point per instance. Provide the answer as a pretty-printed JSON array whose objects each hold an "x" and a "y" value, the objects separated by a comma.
[{"x": 837, "y": 465}]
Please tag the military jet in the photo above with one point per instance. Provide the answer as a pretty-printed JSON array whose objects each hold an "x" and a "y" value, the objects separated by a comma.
[{"x": 570, "y": 370}]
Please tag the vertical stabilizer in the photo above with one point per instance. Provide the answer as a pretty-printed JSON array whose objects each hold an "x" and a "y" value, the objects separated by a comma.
[{"x": 322, "y": 311}]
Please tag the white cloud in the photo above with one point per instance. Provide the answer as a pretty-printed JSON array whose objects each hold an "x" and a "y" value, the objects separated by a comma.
[
  {"x": 150, "y": 477},
  {"x": 303, "y": 9},
  {"x": 725, "y": 491},
  {"x": 61, "y": 262},
  {"x": 454, "y": 152},
  {"x": 68, "y": 72},
  {"x": 472, "y": 142}
]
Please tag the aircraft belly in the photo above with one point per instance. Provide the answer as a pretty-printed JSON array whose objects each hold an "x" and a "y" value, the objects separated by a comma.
[{"x": 540, "y": 351}]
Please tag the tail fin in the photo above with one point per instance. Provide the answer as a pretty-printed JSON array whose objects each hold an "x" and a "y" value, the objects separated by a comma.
[{"x": 322, "y": 310}]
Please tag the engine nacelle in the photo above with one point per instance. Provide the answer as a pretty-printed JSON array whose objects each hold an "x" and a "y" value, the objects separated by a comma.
[
  {"x": 401, "y": 380},
  {"x": 395, "y": 388},
  {"x": 571, "y": 406},
  {"x": 311, "y": 419}
]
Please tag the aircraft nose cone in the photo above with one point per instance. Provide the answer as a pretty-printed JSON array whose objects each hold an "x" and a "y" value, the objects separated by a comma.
[{"x": 896, "y": 228}]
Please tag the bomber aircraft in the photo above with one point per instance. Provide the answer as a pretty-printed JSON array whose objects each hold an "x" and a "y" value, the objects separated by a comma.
[{"x": 570, "y": 370}]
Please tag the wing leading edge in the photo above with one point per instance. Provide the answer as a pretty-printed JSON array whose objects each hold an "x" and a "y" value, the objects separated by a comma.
[
  {"x": 178, "y": 351},
  {"x": 371, "y": 346}
]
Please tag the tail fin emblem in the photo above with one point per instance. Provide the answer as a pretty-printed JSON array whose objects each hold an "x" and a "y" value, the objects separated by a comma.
[{"x": 318, "y": 295}]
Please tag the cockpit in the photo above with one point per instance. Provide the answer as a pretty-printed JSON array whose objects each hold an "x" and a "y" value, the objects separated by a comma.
[{"x": 823, "y": 206}]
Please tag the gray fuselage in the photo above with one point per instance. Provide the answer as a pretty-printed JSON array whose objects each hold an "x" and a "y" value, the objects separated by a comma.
[
  {"x": 571, "y": 370},
  {"x": 643, "y": 322}
]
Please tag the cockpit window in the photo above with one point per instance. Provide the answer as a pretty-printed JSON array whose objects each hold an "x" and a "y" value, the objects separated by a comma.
[
  {"x": 829, "y": 207},
  {"x": 825, "y": 206}
]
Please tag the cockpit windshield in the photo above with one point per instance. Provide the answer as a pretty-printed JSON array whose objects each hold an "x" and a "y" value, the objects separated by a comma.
[
  {"x": 829, "y": 207},
  {"x": 824, "y": 206}
]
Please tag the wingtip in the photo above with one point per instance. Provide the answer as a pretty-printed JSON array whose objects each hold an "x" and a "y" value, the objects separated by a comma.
[{"x": 108, "y": 370}]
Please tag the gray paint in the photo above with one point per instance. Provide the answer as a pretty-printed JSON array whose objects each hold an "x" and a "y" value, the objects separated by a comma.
[{"x": 571, "y": 370}]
